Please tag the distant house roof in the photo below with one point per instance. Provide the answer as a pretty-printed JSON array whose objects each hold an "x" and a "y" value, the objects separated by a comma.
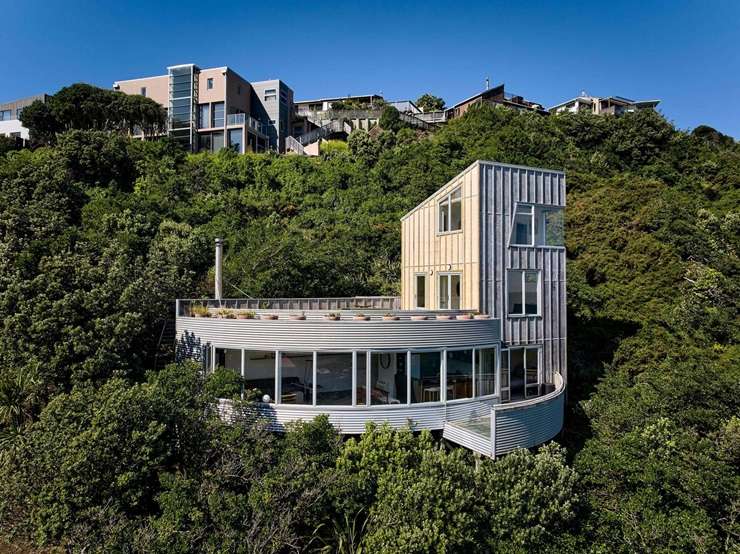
[
  {"x": 616, "y": 99},
  {"x": 498, "y": 94},
  {"x": 340, "y": 98},
  {"x": 498, "y": 89}
]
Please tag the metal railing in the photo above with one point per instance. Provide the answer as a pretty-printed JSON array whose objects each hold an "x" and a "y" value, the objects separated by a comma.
[
  {"x": 293, "y": 145},
  {"x": 236, "y": 118},
  {"x": 388, "y": 303}
]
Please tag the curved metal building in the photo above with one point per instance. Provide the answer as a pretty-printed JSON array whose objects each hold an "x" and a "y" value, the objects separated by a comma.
[{"x": 490, "y": 243}]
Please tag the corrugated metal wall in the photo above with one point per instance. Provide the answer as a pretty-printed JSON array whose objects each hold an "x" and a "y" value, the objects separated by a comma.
[
  {"x": 502, "y": 186},
  {"x": 333, "y": 336},
  {"x": 352, "y": 420},
  {"x": 529, "y": 425}
]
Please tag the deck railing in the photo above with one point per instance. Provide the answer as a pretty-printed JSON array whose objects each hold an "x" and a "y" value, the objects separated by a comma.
[{"x": 387, "y": 303}]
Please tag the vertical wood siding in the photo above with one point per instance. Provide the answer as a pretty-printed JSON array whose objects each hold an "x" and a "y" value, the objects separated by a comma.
[{"x": 423, "y": 250}]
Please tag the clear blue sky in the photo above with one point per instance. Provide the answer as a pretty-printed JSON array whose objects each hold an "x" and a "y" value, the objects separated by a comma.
[{"x": 685, "y": 53}]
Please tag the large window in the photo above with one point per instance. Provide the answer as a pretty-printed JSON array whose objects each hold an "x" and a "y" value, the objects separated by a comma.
[
  {"x": 217, "y": 141},
  {"x": 485, "y": 371},
  {"x": 334, "y": 379},
  {"x": 538, "y": 226},
  {"x": 523, "y": 231},
  {"x": 449, "y": 291},
  {"x": 523, "y": 292},
  {"x": 551, "y": 226},
  {"x": 204, "y": 118},
  {"x": 5, "y": 115},
  {"x": 420, "y": 290},
  {"x": 388, "y": 378},
  {"x": 524, "y": 372},
  {"x": 259, "y": 373},
  {"x": 361, "y": 390},
  {"x": 296, "y": 377},
  {"x": 270, "y": 94},
  {"x": 236, "y": 139},
  {"x": 426, "y": 372},
  {"x": 209, "y": 83},
  {"x": 218, "y": 114},
  {"x": 204, "y": 142},
  {"x": 450, "y": 212},
  {"x": 459, "y": 374}
]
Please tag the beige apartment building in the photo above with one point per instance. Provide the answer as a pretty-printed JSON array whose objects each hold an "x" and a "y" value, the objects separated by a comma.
[{"x": 215, "y": 108}]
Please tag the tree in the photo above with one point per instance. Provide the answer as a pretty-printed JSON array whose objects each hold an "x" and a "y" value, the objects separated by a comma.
[
  {"x": 82, "y": 106},
  {"x": 430, "y": 103},
  {"x": 390, "y": 119}
]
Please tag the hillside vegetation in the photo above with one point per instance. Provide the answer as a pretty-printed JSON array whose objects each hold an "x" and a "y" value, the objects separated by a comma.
[{"x": 105, "y": 450}]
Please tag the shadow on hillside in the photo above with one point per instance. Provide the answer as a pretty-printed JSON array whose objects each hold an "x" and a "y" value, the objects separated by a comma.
[{"x": 591, "y": 347}]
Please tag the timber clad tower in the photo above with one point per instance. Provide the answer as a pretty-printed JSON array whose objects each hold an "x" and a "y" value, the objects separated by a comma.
[{"x": 474, "y": 347}]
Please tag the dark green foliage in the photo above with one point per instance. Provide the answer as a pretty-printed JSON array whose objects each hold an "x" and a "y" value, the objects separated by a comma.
[
  {"x": 99, "y": 234},
  {"x": 82, "y": 106},
  {"x": 390, "y": 119}
]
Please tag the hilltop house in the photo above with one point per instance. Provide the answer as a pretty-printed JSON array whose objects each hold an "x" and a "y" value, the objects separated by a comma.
[
  {"x": 608, "y": 105},
  {"x": 490, "y": 243}
]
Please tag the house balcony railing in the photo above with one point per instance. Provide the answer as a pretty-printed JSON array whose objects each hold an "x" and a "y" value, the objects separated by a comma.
[{"x": 348, "y": 303}]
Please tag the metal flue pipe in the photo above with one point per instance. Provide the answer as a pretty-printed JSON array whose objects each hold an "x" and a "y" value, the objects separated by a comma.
[{"x": 219, "y": 273}]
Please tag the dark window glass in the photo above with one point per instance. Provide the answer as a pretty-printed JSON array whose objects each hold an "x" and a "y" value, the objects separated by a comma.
[
  {"x": 426, "y": 370},
  {"x": 334, "y": 379},
  {"x": 296, "y": 378},
  {"x": 459, "y": 374},
  {"x": 388, "y": 378}
]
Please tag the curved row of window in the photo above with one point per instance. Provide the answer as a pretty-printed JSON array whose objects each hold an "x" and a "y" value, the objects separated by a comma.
[{"x": 363, "y": 378}]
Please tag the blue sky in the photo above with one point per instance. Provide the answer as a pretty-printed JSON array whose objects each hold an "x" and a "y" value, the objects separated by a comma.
[{"x": 685, "y": 53}]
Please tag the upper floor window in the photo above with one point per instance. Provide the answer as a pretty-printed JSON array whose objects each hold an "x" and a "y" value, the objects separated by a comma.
[
  {"x": 538, "y": 226},
  {"x": 143, "y": 91},
  {"x": 270, "y": 94},
  {"x": 5, "y": 115},
  {"x": 523, "y": 292},
  {"x": 238, "y": 89},
  {"x": 209, "y": 83},
  {"x": 450, "y": 212},
  {"x": 204, "y": 119},
  {"x": 218, "y": 114}
]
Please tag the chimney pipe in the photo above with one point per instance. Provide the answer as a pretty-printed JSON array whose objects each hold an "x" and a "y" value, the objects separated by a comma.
[{"x": 219, "y": 280}]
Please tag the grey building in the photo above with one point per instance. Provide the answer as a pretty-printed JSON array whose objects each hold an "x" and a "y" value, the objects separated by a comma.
[{"x": 272, "y": 103}]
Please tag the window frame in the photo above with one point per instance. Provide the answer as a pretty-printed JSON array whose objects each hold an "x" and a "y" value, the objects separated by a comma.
[
  {"x": 416, "y": 291},
  {"x": 448, "y": 274},
  {"x": 537, "y": 227},
  {"x": 447, "y": 201},
  {"x": 276, "y": 400},
  {"x": 209, "y": 83},
  {"x": 524, "y": 292},
  {"x": 506, "y": 391}
]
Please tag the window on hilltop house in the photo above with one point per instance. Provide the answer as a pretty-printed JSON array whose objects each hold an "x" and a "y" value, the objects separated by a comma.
[
  {"x": 523, "y": 230},
  {"x": 209, "y": 83},
  {"x": 535, "y": 225},
  {"x": 143, "y": 91},
  {"x": 523, "y": 292},
  {"x": 270, "y": 94},
  {"x": 420, "y": 292},
  {"x": 551, "y": 226},
  {"x": 204, "y": 119},
  {"x": 449, "y": 291},
  {"x": 236, "y": 139},
  {"x": 5, "y": 115},
  {"x": 450, "y": 212},
  {"x": 218, "y": 115}
]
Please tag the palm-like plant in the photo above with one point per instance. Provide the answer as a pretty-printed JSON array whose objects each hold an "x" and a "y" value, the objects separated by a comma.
[{"x": 19, "y": 396}]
